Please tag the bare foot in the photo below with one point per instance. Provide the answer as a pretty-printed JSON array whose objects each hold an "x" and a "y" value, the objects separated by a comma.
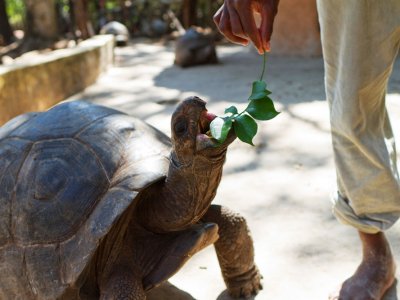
[{"x": 376, "y": 273}]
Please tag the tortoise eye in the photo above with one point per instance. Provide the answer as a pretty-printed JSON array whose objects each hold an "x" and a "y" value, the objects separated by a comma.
[{"x": 180, "y": 127}]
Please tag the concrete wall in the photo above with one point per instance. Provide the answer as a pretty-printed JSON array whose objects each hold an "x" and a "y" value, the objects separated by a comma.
[
  {"x": 51, "y": 77},
  {"x": 296, "y": 29}
]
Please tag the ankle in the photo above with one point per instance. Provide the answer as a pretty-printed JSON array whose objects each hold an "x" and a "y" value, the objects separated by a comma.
[{"x": 375, "y": 245}]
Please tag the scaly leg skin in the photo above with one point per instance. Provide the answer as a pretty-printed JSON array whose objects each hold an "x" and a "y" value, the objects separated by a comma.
[
  {"x": 235, "y": 252},
  {"x": 376, "y": 273},
  {"x": 122, "y": 285},
  {"x": 179, "y": 250}
]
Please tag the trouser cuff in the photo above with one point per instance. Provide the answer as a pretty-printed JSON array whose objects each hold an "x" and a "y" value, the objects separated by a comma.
[{"x": 368, "y": 223}]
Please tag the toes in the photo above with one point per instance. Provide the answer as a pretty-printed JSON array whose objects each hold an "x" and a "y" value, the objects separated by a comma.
[
  {"x": 245, "y": 285},
  {"x": 247, "y": 290},
  {"x": 235, "y": 292}
]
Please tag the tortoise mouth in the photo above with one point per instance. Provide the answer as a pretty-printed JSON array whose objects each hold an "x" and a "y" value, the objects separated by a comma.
[
  {"x": 203, "y": 138},
  {"x": 191, "y": 122},
  {"x": 205, "y": 121}
]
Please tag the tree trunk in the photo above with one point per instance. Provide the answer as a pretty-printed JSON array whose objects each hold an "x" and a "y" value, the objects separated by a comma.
[
  {"x": 189, "y": 13},
  {"x": 81, "y": 18},
  {"x": 100, "y": 7},
  {"x": 41, "y": 20},
  {"x": 124, "y": 12},
  {"x": 5, "y": 28},
  {"x": 41, "y": 28}
]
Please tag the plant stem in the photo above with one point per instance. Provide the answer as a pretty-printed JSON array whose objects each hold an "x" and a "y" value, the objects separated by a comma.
[
  {"x": 238, "y": 115},
  {"x": 264, "y": 64}
]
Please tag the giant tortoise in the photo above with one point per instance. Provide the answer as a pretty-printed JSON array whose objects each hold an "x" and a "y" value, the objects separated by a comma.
[
  {"x": 119, "y": 30},
  {"x": 95, "y": 204},
  {"x": 195, "y": 47}
]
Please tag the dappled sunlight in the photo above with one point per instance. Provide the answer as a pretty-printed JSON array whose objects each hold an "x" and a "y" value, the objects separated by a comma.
[
  {"x": 291, "y": 80},
  {"x": 282, "y": 185},
  {"x": 144, "y": 58}
]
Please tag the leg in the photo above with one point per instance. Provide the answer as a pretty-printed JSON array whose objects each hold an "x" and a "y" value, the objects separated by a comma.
[
  {"x": 235, "y": 252},
  {"x": 180, "y": 247},
  {"x": 359, "y": 52},
  {"x": 122, "y": 284},
  {"x": 377, "y": 266},
  {"x": 356, "y": 79},
  {"x": 148, "y": 259}
]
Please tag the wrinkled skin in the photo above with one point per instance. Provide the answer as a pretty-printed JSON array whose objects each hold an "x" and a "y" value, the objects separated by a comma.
[
  {"x": 99, "y": 205},
  {"x": 236, "y": 21},
  {"x": 376, "y": 273},
  {"x": 174, "y": 219}
]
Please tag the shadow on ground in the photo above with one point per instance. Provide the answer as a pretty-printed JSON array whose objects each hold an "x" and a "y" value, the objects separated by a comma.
[{"x": 282, "y": 185}]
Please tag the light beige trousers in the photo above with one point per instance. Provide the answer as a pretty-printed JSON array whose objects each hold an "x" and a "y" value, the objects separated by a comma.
[{"x": 360, "y": 40}]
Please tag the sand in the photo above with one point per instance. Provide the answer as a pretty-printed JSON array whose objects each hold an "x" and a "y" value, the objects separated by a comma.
[{"x": 282, "y": 185}]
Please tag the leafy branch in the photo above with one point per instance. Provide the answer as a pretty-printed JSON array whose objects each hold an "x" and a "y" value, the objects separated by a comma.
[{"x": 260, "y": 107}]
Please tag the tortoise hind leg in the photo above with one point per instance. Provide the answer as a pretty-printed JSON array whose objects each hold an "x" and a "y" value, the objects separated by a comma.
[
  {"x": 179, "y": 250},
  {"x": 235, "y": 252}
]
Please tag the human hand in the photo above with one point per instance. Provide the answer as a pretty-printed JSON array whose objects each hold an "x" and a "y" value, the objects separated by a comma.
[{"x": 236, "y": 21}]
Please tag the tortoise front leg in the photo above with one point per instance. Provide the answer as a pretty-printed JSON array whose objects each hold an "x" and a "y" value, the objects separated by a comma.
[
  {"x": 235, "y": 252},
  {"x": 122, "y": 284}
]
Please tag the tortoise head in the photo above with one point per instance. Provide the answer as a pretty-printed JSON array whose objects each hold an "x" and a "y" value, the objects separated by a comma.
[{"x": 189, "y": 126}]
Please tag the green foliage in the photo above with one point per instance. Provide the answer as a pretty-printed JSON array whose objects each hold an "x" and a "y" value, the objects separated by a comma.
[
  {"x": 259, "y": 90},
  {"x": 133, "y": 13},
  {"x": 15, "y": 12},
  {"x": 245, "y": 128},
  {"x": 110, "y": 5},
  {"x": 260, "y": 107},
  {"x": 220, "y": 128},
  {"x": 64, "y": 5},
  {"x": 232, "y": 110}
]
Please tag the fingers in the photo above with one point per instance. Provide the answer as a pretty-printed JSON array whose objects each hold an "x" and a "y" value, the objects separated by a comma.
[
  {"x": 217, "y": 15},
  {"x": 236, "y": 24},
  {"x": 249, "y": 26},
  {"x": 223, "y": 21},
  {"x": 268, "y": 16},
  {"x": 235, "y": 20}
]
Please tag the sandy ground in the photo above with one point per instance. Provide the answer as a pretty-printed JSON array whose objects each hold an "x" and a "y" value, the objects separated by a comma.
[{"x": 282, "y": 185}]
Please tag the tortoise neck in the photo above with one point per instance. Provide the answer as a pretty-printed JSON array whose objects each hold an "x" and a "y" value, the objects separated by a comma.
[{"x": 185, "y": 195}]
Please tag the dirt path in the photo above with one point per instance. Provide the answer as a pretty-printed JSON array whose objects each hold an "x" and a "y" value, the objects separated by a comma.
[{"x": 282, "y": 185}]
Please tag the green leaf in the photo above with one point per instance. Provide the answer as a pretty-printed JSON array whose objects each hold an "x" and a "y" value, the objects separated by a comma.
[
  {"x": 245, "y": 128},
  {"x": 220, "y": 127},
  {"x": 259, "y": 86},
  {"x": 259, "y": 90},
  {"x": 233, "y": 110},
  {"x": 262, "y": 109},
  {"x": 258, "y": 96}
]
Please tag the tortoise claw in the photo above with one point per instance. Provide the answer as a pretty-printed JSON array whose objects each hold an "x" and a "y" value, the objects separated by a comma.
[{"x": 246, "y": 285}]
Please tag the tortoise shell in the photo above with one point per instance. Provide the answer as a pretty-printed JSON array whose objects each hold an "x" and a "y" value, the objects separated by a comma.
[{"x": 66, "y": 177}]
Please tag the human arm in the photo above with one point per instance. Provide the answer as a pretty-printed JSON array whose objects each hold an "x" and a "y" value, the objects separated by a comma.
[{"x": 236, "y": 21}]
